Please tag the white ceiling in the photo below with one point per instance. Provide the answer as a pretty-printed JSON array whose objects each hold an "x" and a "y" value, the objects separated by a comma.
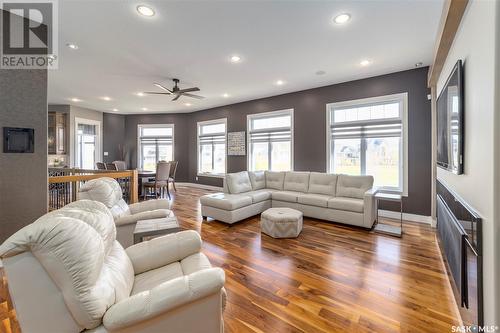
[{"x": 121, "y": 53}]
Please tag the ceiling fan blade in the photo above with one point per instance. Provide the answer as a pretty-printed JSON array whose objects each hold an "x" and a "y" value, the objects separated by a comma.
[
  {"x": 189, "y": 90},
  {"x": 162, "y": 87},
  {"x": 156, "y": 93},
  {"x": 176, "y": 97},
  {"x": 194, "y": 96}
]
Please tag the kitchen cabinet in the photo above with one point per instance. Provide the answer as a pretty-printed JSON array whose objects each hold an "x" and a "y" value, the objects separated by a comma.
[{"x": 57, "y": 133}]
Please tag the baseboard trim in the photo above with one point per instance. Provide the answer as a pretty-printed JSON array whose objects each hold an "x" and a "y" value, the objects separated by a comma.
[
  {"x": 206, "y": 187},
  {"x": 406, "y": 216}
]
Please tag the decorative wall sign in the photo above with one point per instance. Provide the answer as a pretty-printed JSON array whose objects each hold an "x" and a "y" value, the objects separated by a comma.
[{"x": 236, "y": 144}]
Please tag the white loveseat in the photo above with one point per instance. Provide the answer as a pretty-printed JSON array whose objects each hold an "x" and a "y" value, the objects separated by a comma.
[
  {"x": 67, "y": 273},
  {"x": 107, "y": 191},
  {"x": 337, "y": 198}
]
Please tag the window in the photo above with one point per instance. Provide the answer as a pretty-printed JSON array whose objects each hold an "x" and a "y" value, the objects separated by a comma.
[
  {"x": 155, "y": 143},
  {"x": 87, "y": 142},
  {"x": 212, "y": 147},
  {"x": 368, "y": 137},
  {"x": 270, "y": 141}
]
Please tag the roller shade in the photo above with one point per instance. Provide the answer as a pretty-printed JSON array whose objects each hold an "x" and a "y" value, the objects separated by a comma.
[
  {"x": 274, "y": 136},
  {"x": 367, "y": 130},
  {"x": 212, "y": 139}
]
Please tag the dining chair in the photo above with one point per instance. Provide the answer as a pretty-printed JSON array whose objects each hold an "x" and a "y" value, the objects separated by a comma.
[
  {"x": 161, "y": 180},
  {"x": 173, "y": 169},
  {"x": 111, "y": 166},
  {"x": 100, "y": 166},
  {"x": 120, "y": 165}
]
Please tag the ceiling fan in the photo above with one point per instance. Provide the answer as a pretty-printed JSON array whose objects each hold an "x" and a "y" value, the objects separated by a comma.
[{"x": 176, "y": 91}]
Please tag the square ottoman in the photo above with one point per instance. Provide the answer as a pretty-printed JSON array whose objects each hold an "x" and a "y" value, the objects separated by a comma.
[{"x": 281, "y": 222}]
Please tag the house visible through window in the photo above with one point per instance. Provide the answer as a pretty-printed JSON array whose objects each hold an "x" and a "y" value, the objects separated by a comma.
[
  {"x": 368, "y": 137},
  {"x": 212, "y": 147},
  {"x": 270, "y": 141},
  {"x": 156, "y": 143}
]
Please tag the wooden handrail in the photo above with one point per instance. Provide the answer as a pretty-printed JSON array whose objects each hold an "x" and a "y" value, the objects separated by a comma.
[
  {"x": 132, "y": 174},
  {"x": 77, "y": 178}
]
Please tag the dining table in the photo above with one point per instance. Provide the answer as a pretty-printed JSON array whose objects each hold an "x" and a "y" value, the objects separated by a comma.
[{"x": 141, "y": 174}]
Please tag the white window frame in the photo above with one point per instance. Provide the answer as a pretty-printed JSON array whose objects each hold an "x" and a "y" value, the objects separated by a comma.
[
  {"x": 284, "y": 112},
  {"x": 139, "y": 150},
  {"x": 98, "y": 146},
  {"x": 210, "y": 122},
  {"x": 403, "y": 98}
]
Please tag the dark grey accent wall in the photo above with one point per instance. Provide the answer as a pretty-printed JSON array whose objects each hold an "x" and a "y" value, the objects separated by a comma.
[
  {"x": 23, "y": 180},
  {"x": 310, "y": 129},
  {"x": 180, "y": 139},
  {"x": 113, "y": 129}
]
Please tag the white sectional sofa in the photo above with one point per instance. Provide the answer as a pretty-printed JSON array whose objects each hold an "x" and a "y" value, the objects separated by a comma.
[{"x": 337, "y": 198}]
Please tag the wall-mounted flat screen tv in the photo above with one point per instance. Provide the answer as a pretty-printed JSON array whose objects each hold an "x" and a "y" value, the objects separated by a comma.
[{"x": 450, "y": 122}]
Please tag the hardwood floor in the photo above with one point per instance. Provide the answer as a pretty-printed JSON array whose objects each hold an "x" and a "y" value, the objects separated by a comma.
[{"x": 332, "y": 278}]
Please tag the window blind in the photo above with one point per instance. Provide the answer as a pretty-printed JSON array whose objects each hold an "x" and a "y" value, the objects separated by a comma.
[
  {"x": 271, "y": 136},
  {"x": 379, "y": 129}
]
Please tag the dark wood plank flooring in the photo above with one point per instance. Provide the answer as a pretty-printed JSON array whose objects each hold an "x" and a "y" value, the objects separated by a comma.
[{"x": 332, "y": 278}]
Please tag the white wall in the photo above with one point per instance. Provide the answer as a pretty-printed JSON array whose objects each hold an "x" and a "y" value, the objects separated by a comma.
[{"x": 476, "y": 44}]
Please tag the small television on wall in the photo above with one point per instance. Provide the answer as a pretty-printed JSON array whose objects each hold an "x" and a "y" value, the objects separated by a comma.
[
  {"x": 450, "y": 122},
  {"x": 18, "y": 140}
]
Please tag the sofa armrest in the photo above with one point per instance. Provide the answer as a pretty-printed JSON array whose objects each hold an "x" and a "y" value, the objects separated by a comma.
[
  {"x": 369, "y": 207},
  {"x": 164, "y": 298},
  {"x": 149, "y": 205},
  {"x": 164, "y": 250},
  {"x": 146, "y": 215}
]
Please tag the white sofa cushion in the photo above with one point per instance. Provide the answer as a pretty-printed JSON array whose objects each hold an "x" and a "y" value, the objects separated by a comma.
[
  {"x": 322, "y": 183},
  {"x": 257, "y": 179},
  {"x": 353, "y": 186},
  {"x": 260, "y": 195},
  {"x": 275, "y": 180},
  {"x": 347, "y": 204},
  {"x": 150, "y": 279},
  {"x": 296, "y": 181},
  {"x": 238, "y": 182},
  {"x": 288, "y": 196},
  {"x": 226, "y": 201},
  {"x": 312, "y": 199}
]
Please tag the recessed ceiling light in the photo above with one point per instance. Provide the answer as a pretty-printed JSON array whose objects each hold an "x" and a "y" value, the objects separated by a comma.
[
  {"x": 342, "y": 18},
  {"x": 365, "y": 62},
  {"x": 144, "y": 109},
  {"x": 106, "y": 98},
  {"x": 235, "y": 59},
  {"x": 145, "y": 10},
  {"x": 72, "y": 46},
  {"x": 225, "y": 95},
  {"x": 115, "y": 109},
  {"x": 76, "y": 100},
  {"x": 280, "y": 82},
  {"x": 418, "y": 64},
  {"x": 140, "y": 94},
  {"x": 187, "y": 104}
]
